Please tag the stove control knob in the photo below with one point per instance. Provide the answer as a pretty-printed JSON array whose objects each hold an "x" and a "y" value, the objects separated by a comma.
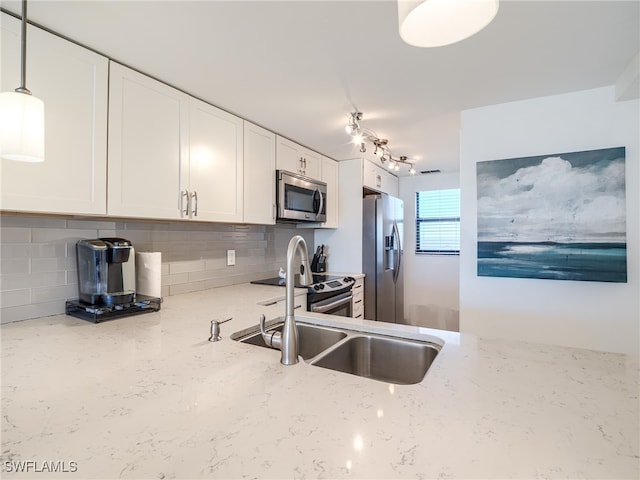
[
  {"x": 321, "y": 286},
  {"x": 317, "y": 287}
]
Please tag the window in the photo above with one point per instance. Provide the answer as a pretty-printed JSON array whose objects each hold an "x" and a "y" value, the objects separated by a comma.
[{"x": 438, "y": 222}]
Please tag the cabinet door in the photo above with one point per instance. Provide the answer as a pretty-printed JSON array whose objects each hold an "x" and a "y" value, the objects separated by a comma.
[
  {"x": 215, "y": 163},
  {"x": 148, "y": 146},
  {"x": 288, "y": 155},
  {"x": 358, "y": 299},
  {"x": 311, "y": 163},
  {"x": 259, "y": 175},
  {"x": 379, "y": 179},
  {"x": 72, "y": 83},
  {"x": 330, "y": 177}
]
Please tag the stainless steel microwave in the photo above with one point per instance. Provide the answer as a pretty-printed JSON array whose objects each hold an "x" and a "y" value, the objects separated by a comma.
[{"x": 299, "y": 198}]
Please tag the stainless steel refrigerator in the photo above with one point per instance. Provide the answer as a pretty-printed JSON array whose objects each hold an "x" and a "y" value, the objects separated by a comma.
[{"x": 382, "y": 258}]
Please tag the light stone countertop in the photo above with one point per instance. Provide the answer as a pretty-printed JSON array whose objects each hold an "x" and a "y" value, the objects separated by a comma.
[{"x": 149, "y": 397}]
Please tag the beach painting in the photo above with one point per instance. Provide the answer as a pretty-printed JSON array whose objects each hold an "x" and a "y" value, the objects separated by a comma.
[{"x": 559, "y": 216}]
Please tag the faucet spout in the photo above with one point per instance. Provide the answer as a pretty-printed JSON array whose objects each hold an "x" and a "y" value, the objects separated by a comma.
[{"x": 289, "y": 348}]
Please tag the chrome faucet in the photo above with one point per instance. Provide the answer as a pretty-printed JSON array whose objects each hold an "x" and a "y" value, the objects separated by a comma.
[{"x": 287, "y": 341}]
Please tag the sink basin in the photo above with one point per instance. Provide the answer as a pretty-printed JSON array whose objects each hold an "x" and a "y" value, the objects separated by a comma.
[
  {"x": 312, "y": 340},
  {"x": 387, "y": 359},
  {"x": 379, "y": 357}
]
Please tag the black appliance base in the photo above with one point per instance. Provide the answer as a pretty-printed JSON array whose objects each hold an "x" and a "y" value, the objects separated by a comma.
[{"x": 100, "y": 313}]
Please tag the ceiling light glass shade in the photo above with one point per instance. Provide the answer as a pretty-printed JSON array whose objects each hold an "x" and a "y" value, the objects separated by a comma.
[
  {"x": 435, "y": 23},
  {"x": 21, "y": 127}
]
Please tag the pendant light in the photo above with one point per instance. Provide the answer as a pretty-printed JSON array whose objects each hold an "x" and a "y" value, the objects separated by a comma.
[
  {"x": 435, "y": 23},
  {"x": 21, "y": 114}
]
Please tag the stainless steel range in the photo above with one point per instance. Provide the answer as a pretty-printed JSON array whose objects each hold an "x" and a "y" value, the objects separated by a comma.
[{"x": 327, "y": 294}]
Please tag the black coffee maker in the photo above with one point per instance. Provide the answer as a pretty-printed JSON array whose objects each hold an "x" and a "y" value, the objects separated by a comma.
[{"x": 106, "y": 271}]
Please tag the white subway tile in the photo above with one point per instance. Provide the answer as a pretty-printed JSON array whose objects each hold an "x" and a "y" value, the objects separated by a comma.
[
  {"x": 175, "y": 279},
  {"x": 32, "y": 221},
  {"x": 57, "y": 264},
  {"x": 186, "y": 267},
  {"x": 15, "y": 235},
  {"x": 45, "y": 235},
  {"x": 14, "y": 298},
  {"x": 14, "y": 265},
  {"x": 46, "y": 250},
  {"x": 84, "y": 224},
  {"x": 34, "y": 310},
  {"x": 49, "y": 294},
  {"x": 187, "y": 288}
]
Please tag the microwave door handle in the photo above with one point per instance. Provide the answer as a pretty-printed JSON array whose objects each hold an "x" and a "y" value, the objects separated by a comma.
[{"x": 321, "y": 206}]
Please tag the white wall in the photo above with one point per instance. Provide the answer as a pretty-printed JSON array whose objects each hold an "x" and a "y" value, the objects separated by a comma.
[
  {"x": 431, "y": 281},
  {"x": 595, "y": 315},
  {"x": 344, "y": 244}
]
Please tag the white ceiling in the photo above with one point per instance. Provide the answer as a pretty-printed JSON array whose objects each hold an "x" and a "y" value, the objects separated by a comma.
[{"x": 299, "y": 67}]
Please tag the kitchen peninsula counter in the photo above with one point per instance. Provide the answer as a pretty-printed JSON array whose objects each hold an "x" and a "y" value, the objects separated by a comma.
[{"x": 149, "y": 397}]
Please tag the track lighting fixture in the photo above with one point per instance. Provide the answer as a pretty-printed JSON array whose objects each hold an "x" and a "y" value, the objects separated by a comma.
[
  {"x": 362, "y": 135},
  {"x": 353, "y": 127}
]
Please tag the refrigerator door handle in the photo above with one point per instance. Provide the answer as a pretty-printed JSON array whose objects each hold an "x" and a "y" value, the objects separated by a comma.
[{"x": 398, "y": 252}]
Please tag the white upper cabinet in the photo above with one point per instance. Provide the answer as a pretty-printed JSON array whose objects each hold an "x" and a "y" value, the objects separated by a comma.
[
  {"x": 72, "y": 82},
  {"x": 215, "y": 164},
  {"x": 148, "y": 146},
  {"x": 331, "y": 178},
  {"x": 379, "y": 179},
  {"x": 259, "y": 175},
  {"x": 297, "y": 159},
  {"x": 171, "y": 156}
]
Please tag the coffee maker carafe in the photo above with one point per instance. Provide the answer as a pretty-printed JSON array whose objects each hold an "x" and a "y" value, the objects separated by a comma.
[{"x": 106, "y": 271}]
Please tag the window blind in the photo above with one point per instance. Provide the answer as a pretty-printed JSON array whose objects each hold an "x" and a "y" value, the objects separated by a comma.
[{"x": 438, "y": 221}]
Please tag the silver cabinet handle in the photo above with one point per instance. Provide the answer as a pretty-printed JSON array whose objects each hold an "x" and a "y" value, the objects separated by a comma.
[
  {"x": 184, "y": 212},
  {"x": 194, "y": 195}
]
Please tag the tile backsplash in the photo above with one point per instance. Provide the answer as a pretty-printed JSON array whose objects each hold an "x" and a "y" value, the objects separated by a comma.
[{"x": 38, "y": 256}]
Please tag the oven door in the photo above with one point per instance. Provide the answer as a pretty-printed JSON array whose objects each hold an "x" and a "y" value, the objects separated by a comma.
[
  {"x": 337, "y": 305},
  {"x": 301, "y": 199}
]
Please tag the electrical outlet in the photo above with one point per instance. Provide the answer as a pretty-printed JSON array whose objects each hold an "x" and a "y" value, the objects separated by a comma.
[{"x": 231, "y": 257}]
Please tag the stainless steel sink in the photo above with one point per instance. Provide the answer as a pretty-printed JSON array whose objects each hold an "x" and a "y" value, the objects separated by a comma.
[
  {"x": 312, "y": 340},
  {"x": 384, "y": 358},
  {"x": 387, "y": 359}
]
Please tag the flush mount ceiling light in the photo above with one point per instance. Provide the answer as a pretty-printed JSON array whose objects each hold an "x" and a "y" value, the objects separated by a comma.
[
  {"x": 435, "y": 23},
  {"x": 360, "y": 136},
  {"x": 21, "y": 114}
]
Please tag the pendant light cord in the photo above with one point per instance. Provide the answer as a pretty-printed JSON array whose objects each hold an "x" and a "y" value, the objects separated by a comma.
[{"x": 23, "y": 52}]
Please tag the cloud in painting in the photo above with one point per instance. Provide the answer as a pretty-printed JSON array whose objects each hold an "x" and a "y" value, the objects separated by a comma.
[{"x": 552, "y": 200}]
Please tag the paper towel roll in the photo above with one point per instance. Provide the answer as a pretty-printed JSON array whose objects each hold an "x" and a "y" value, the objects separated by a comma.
[{"x": 149, "y": 273}]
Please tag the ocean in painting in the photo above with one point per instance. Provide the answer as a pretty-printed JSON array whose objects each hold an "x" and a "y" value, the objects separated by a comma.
[{"x": 598, "y": 262}]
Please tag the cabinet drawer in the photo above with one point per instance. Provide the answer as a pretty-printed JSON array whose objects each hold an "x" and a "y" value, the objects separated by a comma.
[{"x": 358, "y": 307}]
